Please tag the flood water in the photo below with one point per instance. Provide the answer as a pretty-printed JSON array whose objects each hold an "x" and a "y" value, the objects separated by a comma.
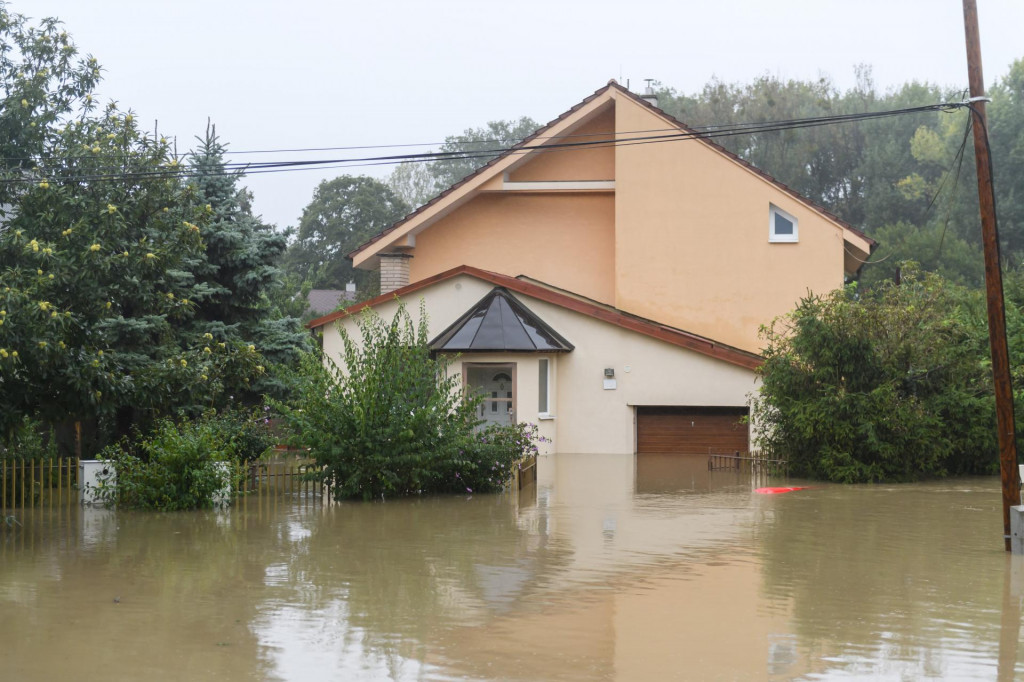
[{"x": 611, "y": 568}]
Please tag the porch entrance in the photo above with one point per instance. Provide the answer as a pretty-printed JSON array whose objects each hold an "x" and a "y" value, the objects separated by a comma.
[{"x": 497, "y": 384}]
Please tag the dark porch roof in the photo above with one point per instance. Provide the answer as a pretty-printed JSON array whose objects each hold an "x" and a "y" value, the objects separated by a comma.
[{"x": 499, "y": 323}]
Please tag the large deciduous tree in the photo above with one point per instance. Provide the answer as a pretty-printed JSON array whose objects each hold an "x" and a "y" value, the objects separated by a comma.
[
  {"x": 417, "y": 182},
  {"x": 344, "y": 213},
  {"x": 97, "y": 285}
]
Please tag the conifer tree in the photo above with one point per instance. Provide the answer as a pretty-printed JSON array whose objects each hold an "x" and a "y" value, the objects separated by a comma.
[{"x": 239, "y": 267}]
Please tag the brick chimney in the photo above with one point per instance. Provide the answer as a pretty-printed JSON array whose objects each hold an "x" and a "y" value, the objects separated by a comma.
[{"x": 394, "y": 271}]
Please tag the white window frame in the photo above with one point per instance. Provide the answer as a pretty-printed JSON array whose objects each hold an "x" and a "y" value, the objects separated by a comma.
[
  {"x": 774, "y": 210},
  {"x": 544, "y": 414}
]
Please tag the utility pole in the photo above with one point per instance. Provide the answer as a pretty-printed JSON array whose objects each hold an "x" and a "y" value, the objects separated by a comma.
[{"x": 993, "y": 272}]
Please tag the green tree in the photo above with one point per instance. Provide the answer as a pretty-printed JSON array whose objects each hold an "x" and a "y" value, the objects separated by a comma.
[
  {"x": 238, "y": 271},
  {"x": 414, "y": 183},
  {"x": 344, "y": 213},
  {"x": 935, "y": 247},
  {"x": 887, "y": 385},
  {"x": 97, "y": 285},
  {"x": 1006, "y": 132},
  {"x": 475, "y": 147},
  {"x": 43, "y": 82}
]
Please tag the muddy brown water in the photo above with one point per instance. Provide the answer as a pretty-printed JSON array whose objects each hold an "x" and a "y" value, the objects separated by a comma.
[{"x": 611, "y": 568}]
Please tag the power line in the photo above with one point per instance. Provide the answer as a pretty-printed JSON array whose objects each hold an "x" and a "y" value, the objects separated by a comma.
[{"x": 673, "y": 134}]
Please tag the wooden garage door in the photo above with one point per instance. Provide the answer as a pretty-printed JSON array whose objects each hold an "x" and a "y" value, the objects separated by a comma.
[{"x": 691, "y": 430}]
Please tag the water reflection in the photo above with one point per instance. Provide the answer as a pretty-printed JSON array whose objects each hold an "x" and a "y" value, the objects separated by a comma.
[
  {"x": 891, "y": 581},
  {"x": 609, "y": 568}
]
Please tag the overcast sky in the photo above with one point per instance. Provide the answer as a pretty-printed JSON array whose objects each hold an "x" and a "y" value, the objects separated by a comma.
[{"x": 289, "y": 74}]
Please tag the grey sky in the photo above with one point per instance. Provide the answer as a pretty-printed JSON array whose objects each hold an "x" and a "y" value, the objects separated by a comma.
[{"x": 315, "y": 74}]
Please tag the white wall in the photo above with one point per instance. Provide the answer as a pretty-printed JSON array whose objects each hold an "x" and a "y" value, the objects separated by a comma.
[{"x": 588, "y": 418}]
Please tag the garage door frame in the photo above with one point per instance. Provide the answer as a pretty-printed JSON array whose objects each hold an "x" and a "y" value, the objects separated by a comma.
[{"x": 695, "y": 430}]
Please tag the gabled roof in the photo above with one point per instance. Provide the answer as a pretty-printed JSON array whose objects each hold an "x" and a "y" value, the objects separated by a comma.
[
  {"x": 597, "y": 311},
  {"x": 488, "y": 170},
  {"x": 500, "y": 323}
]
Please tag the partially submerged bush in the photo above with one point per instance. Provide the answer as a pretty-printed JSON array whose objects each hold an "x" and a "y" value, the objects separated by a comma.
[
  {"x": 245, "y": 432},
  {"x": 394, "y": 421},
  {"x": 892, "y": 385},
  {"x": 488, "y": 460},
  {"x": 178, "y": 466}
]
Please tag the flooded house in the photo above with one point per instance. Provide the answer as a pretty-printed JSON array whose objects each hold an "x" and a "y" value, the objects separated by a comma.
[{"x": 606, "y": 279}]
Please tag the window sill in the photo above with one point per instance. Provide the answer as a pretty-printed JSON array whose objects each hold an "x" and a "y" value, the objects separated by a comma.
[{"x": 545, "y": 416}]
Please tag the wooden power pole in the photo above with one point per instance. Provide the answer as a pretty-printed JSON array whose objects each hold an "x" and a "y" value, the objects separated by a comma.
[{"x": 993, "y": 272}]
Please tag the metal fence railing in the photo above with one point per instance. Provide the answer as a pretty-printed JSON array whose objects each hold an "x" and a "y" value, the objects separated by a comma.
[
  {"x": 754, "y": 463},
  {"x": 38, "y": 483},
  {"x": 279, "y": 477}
]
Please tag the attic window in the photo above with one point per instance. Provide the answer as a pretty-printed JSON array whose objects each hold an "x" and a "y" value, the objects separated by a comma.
[{"x": 782, "y": 227}]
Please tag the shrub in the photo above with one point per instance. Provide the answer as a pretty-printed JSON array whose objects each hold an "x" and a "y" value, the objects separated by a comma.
[
  {"x": 490, "y": 457},
  {"x": 394, "y": 421},
  {"x": 28, "y": 440},
  {"x": 178, "y": 466},
  {"x": 891, "y": 385},
  {"x": 245, "y": 432}
]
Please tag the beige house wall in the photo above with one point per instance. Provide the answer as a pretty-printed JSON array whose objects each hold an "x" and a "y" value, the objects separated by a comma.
[
  {"x": 587, "y": 417},
  {"x": 692, "y": 239},
  {"x": 574, "y": 163},
  {"x": 682, "y": 236},
  {"x": 567, "y": 240}
]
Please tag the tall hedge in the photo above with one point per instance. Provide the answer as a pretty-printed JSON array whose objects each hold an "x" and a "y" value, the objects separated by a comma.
[{"x": 888, "y": 385}]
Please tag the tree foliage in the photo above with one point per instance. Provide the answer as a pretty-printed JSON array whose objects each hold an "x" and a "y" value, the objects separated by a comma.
[
  {"x": 344, "y": 213},
  {"x": 43, "y": 82},
  {"x": 417, "y": 182},
  {"x": 97, "y": 283},
  {"x": 889, "y": 385},
  {"x": 126, "y": 293},
  {"x": 238, "y": 269}
]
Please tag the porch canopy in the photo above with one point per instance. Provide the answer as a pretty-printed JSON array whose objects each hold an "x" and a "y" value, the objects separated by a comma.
[{"x": 500, "y": 323}]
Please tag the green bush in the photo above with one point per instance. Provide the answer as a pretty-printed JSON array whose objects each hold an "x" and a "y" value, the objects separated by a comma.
[
  {"x": 28, "y": 440},
  {"x": 490, "y": 457},
  {"x": 178, "y": 466},
  {"x": 889, "y": 385},
  {"x": 394, "y": 421},
  {"x": 245, "y": 432}
]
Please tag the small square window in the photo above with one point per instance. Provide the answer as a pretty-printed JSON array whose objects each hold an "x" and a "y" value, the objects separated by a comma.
[{"x": 782, "y": 227}]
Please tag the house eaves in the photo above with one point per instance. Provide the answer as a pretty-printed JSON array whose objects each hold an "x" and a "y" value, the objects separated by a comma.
[{"x": 604, "y": 313}]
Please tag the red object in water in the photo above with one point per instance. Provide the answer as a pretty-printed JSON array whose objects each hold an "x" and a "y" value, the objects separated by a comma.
[{"x": 777, "y": 491}]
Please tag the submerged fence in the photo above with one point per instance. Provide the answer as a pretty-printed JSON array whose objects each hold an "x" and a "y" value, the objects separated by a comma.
[
  {"x": 279, "y": 477},
  {"x": 756, "y": 464},
  {"x": 48, "y": 483},
  {"x": 53, "y": 482},
  {"x": 42, "y": 483}
]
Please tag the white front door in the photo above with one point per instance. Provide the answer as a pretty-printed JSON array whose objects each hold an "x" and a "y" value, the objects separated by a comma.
[{"x": 496, "y": 385}]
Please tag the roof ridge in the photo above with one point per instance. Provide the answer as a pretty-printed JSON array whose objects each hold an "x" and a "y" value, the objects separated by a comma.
[
  {"x": 739, "y": 159},
  {"x": 534, "y": 135},
  {"x": 614, "y": 85}
]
